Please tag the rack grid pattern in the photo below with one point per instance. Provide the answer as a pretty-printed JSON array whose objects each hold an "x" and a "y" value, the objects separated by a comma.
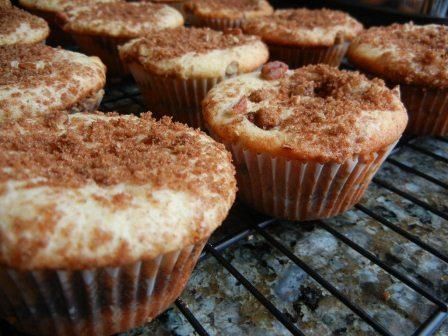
[{"x": 124, "y": 97}]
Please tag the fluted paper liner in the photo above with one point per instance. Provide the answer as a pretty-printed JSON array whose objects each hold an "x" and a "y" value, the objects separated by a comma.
[
  {"x": 176, "y": 97},
  {"x": 298, "y": 190},
  {"x": 427, "y": 110},
  {"x": 106, "y": 48},
  {"x": 297, "y": 57},
  {"x": 215, "y": 23},
  {"x": 99, "y": 301}
]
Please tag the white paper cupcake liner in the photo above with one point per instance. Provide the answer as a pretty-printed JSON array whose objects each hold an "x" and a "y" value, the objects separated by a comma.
[
  {"x": 100, "y": 301},
  {"x": 106, "y": 48},
  {"x": 298, "y": 190},
  {"x": 215, "y": 23},
  {"x": 427, "y": 109},
  {"x": 297, "y": 57},
  {"x": 176, "y": 97}
]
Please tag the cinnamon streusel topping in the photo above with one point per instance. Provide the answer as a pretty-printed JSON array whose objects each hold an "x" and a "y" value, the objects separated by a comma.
[
  {"x": 406, "y": 53},
  {"x": 315, "y": 111},
  {"x": 122, "y": 19},
  {"x": 172, "y": 43},
  {"x": 38, "y": 78},
  {"x": 61, "y": 151},
  {"x": 18, "y": 26},
  {"x": 304, "y": 26},
  {"x": 234, "y": 4}
]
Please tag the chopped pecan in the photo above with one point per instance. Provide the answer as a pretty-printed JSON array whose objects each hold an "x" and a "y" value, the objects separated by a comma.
[
  {"x": 240, "y": 107},
  {"x": 273, "y": 70},
  {"x": 232, "y": 69}
]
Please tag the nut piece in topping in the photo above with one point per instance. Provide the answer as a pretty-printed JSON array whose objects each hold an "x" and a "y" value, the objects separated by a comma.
[
  {"x": 273, "y": 70},
  {"x": 240, "y": 107},
  {"x": 233, "y": 68}
]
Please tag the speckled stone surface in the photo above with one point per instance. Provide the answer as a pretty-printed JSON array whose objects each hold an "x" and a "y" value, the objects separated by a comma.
[{"x": 225, "y": 307}]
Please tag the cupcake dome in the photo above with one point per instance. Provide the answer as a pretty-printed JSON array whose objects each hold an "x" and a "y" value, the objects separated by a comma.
[
  {"x": 313, "y": 113},
  {"x": 106, "y": 215},
  {"x": 306, "y": 143},
  {"x": 58, "y": 6},
  {"x": 121, "y": 19},
  {"x": 20, "y": 27},
  {"x": 196, "y": 52},
  {"x": 404, "y": 54},
  {"x": 415, "y": 58},
  {"x": 304, "y": 27},
  {"x": 112, "y": 189},
  {"x": 37, "y": 79}
]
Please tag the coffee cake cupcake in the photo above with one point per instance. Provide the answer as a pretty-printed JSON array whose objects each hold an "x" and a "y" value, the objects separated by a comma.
[
  {"x": 38, "y": 79},
  {"x": 306, "y": 143},
  {"x": 415, "y": 57},
  {"x": 102, "y": 218},
  {"x": 50, "y": 9},
  {"x": 176, "y": 68},
  {"x": 302, "y": 36},
  {"x": 99, "y": 29},
  {"x": 20, "y": 27},
  {"x": 223, "y": 14}
]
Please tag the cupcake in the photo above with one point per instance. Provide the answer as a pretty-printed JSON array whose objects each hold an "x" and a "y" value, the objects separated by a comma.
[
  {"x": 306, "y": 143},
  {"x": 102, "y": 218},
  {"x": 99, "y": 29},
  {"x": 20, "y": 27},
  {"x": 37, "y": 79},
  {"x": 300, "y": 37},
  {"x": 50, "y": 9},
  {"x": 414, "y": 57},
  {"x": 222, "y": 14},
  {"x": 176, "y": 68}
]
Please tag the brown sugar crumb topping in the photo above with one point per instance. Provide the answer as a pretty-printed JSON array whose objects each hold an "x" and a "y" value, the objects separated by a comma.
[
  {"x": 70, "y": 152},
  {"x": 11, "y": 18},
  {"x": 171, "y": 43},
  {"x": 131, "y": 13},
  {"x": 19, "y": 63},
  {"x": 419, "y": 52},
  {"x": 321, "y": 100},
  {"x": 217, "y": 5},
  {"x": 289, "y": 19}
]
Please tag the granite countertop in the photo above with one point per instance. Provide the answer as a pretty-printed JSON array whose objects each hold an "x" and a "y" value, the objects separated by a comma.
[{"x": 224, "y": 307}]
